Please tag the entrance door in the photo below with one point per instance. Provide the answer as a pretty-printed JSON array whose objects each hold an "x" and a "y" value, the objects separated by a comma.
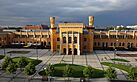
[
  {"x": 131, "y": 45},
  {"x": 45, "y": 43},
  {"x": 42, "y": 43},
  {"x": 70, "y": 51},
  {"x": 64, "y": 51},
  {"x": 75, "y": 51},
  {"x": 128, "y": 45}
]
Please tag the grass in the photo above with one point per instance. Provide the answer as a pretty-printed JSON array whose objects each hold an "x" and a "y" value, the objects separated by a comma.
[
  {"x": 18, "y": 52},
  {"x": 77, "y": 71},
  {"x": 34, "y": 61},
  {"x": 119, "y": 66},
  {"x": 1, "y": 57},
  {"x": 118, "y": 59}
]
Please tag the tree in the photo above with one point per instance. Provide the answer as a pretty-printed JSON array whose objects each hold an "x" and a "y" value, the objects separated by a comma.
[
  {"x": 11, "y": 68},
  {"x": 111, "y": 73},
  {"x": 7, "y": 60},
  {"x": 22, "y": 62},
  {"x": 30, "y": 69},
  {"x": 49, "y": 70},
  {"x": 67, "y": 72},
  {"x": 132, "y": 74},
  {"x": 88, "y": 72}
]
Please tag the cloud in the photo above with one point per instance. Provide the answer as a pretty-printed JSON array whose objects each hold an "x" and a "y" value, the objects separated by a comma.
[{"x": 39, "y": 11}]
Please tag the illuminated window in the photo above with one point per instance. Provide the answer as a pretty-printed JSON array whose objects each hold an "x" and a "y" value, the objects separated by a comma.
[
  {"x": 58, "y": 39},
  {"x": 85, "y": 39}
]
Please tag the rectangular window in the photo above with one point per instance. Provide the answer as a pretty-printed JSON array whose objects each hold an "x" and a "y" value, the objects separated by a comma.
[
  {"x": 114, "y": 44},
  {"x": 58, "y": 39},
  {"x": 111, "y": 44},
  {"x": 104, "y": 36},
  {"x": 94, "y": 43},
  {"x": 96, "y": 36},
  {"x": 64, "y": 39},
  {"x": 123, "y": 44},
  {"x": 85, "y": 39},
  {"x": 120, "y": 44},
  {"x": 48, "y": 43},
  {"x": 84, "y": 47},
  {"x": 75, "y": 39},
  {"x": 30, "y": 36},
  {"x": 98, "y": 44},
  {"x": 69, "y": 40},
  {"x": 58, "y": 46},
  {"x": 44, "y": 36},
  {"x": 37, "y": 36}
]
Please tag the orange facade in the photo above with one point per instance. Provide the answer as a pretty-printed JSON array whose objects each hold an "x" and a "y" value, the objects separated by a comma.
[{"x": 72, "y": 38}]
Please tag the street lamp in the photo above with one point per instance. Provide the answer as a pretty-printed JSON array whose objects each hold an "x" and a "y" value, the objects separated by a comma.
[
  {"x": 37, "y": 50},
  {"x": 115, "y": 50},
  {"x": 4, "y": 47}
]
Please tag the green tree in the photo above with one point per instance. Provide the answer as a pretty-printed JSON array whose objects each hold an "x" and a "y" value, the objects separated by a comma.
[
  {"x": 67, "y": 72},
  {"x": 132, "y": 74},
  {"x": 30, "y": 69},
  {"x": 49, "y": 70},
  {"x": 88, "y": 72},
  {"x": 22, "y": 62},
  {"x": 111, "y": 73},
  {"x": 11, "y": 68},
  {"x": 7, "y": 60}
]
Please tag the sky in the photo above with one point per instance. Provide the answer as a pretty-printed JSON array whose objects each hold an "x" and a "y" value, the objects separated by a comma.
[{"x": 106, "y": 12}]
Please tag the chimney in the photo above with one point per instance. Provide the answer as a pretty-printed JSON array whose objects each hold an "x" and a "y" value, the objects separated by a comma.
[
  {"x": 91, "y": 21},
  {"x": 52, "y": 22}
]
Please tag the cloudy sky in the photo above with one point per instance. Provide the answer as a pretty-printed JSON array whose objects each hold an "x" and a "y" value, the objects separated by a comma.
[{"x": 106, "y": 12}]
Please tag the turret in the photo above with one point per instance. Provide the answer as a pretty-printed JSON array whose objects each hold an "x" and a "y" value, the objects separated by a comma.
[
  {"x": 52, "y": 22},
  {"x": 91, "y": 21}
]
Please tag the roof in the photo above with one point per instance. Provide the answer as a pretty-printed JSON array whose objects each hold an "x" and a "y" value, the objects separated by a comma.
[
  {"x": 71, "y": 25},
  {"x": 36, "y": 27}
]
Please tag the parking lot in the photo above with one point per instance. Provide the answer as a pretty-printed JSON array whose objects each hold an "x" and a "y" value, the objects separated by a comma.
[{"x": 47, "y": 57}]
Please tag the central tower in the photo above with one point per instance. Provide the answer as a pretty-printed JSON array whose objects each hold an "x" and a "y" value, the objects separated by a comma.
[{"x": 72, "y": 38}]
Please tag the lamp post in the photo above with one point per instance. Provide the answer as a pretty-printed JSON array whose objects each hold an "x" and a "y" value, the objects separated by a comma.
[
  {"x": 4, "y": 47},
  {"x": 115, "y": 50},
  {"x": 37, "y": 50}
]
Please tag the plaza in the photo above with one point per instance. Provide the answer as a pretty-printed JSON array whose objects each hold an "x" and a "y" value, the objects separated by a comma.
[{"x": 92, "y": 59}]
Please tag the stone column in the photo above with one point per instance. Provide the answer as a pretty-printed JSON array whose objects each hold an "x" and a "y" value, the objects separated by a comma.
[
  {"x": 67, "y": 43},
  {"x": 72, "y": 43},
  {"x": 61, "y": 35},
  {"x": 78, "y": 43}
]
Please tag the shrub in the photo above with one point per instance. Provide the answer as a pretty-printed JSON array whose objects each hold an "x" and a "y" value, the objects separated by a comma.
[
  {"x": 76, "y": 71},
  {"x": 11, "y": 68},
  {"x": 88, "y": 72},
  {"x": 118, "y": 59},
  {"x": 67, "y": 72},
  {"x": 29, "y": 69},
  {"x": 22, "y": 62},
  {"x": 132, "y": 75},
  {"x": 119, "y": 66},
  {"x": 111, "y": 73},
  {"x": 7, "y": 60},
  {"x": 50, "y": 70}
]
